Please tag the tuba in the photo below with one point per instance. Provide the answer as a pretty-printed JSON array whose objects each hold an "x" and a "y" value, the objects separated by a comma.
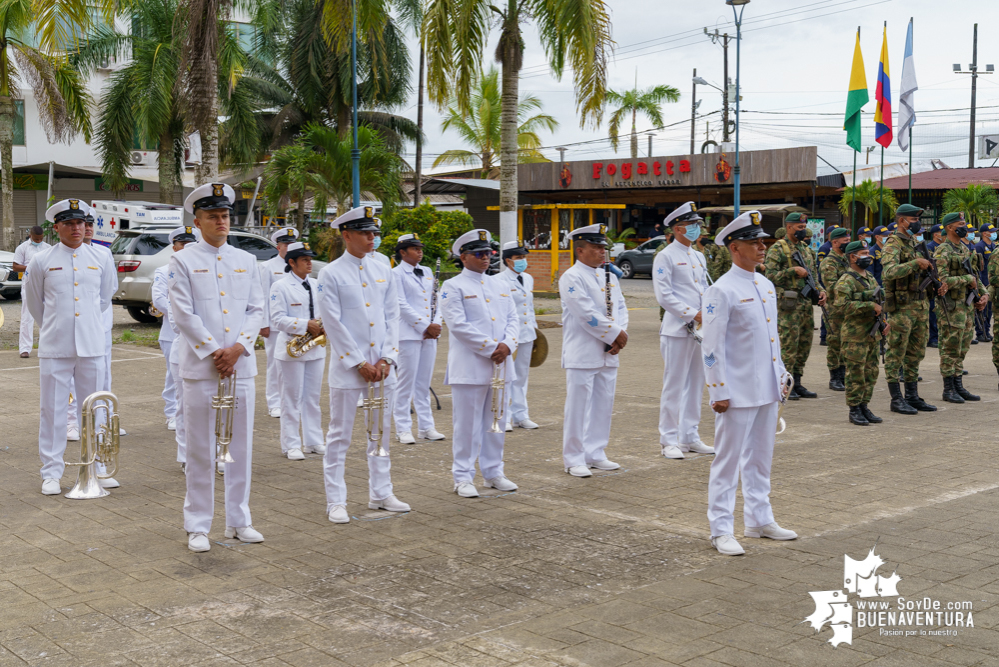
[
  {"x": 786, "y": 383},
  {"x": 498, "y": 385},
  {"x": 299, "y": 345},
  {"x": 100, "y": 445},
  {"x": 374, "y": 411},
  {"x": 224, "y": 403}
]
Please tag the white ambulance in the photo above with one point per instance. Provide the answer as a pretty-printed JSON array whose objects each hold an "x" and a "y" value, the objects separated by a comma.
[{"x": 112, "y": 216}]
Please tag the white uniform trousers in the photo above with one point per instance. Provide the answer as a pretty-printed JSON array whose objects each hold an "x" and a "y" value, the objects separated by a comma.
[
  {"x": 517, "y": 408},
  {"x": 589, "y": 404},
  {"x": 343, "y": 410},
  {"x": 272, "y": 387},
  {"x": 55, "y": 376},
  {"x": 26, "y": 339},
  {"x": 169, "y": 388},
  {"x": 180, "y": 434},
  {"x": 416, "y": 369},
  {"x": 107, "y": 362},
  {"x": 199, "y": 504},
  {"x": 301, "y": 382},
  {"x": 683, "y": 387},
  {"x": 472, "y": 416},
  {"x": 744, "y": 443}
]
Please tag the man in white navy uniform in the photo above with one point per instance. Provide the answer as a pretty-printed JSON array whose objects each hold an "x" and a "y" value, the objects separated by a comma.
[
  {"x": 743, "y": 372},
  {"x": 521, "y": 286},
  {"x": 294, "y": 312},
  {"x": 272, "y": 271},
  {"x": 67, "y": 288},
  {"x": 360, "y": 311},
  {"x": 679, "y": 278},
  {"x": 178, "y": 238},
  {"x": 418, "y": 336},
  {"x": 482, "y": 329},
  {"x": 217, "y": 304},
  {"x": 591, "y": 341},
  {"x": 33, "y": 245}
]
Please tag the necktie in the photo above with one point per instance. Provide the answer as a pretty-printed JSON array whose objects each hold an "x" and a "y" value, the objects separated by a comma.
[
  {"x": 520, "y": 279},
  {"x": 312, "y": 314},
  {"x": 418, "y": 271}
]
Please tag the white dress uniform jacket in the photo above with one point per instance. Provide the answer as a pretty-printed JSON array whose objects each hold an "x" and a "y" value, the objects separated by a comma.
[
  {"x": 216, "y": 302},
  {"x": 586, "y": 327},
  {"x": 27, "y": 250},
  {"x": 476, "y": 328},
  {"x": 415, "y": 294},
  {"x": 60, "y": 288},
  {"x": 679, "y": 278},
  {"x": 289, "y": 308},
  {"x": 161, "y": 302},
  {"x": 23, "y": 255},
  {"x": 270, "y": 272},
  {"x": 523, "y": 297}
]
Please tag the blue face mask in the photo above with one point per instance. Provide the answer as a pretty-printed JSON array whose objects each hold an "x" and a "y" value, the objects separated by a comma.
[
  {"x": 971, "y": 238},
  {"x": 520, "y": 265},
  {"x": 36, "y": 243},
  {"x": 992, "y": 236},
  {"x": 378, "y": 242},
  {"x": 919, "y": 238},
  {"x": 692, "y": 232}
]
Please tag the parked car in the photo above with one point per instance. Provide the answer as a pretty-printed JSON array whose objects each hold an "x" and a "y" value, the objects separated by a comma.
[
  {"x": 639, "y": 260},
  {"x": 139, "y": 252},
  {"x": 10, "y": 280}
]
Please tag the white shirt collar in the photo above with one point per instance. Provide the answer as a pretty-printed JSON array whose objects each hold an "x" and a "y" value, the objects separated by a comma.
[{"x": 743, "y": 273}]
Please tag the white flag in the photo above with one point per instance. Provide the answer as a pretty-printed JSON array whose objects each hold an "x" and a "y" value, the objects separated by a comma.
[
  {"x": 194, "y": 148},
  {"x": 907, "y": 101}
]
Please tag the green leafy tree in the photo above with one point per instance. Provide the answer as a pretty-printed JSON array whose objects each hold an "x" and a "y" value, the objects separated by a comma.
[
  {"x": 648, "y": 102},
  {"x": 436, "y": 229},
  {"x": 978, "y": 202},
  {"x": 869, "y": 196},
  {"x": 480, "y": 127}
]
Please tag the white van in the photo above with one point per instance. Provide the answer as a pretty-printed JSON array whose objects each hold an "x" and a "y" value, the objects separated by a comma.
[{"x": 112, "y": 216}]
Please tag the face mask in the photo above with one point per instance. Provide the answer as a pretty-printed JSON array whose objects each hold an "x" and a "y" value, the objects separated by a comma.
[
  {"x": 865, "y": 240},
  {"x": 992, "y": 236},
  {"x": 36, "y": 243},
  {"x": 919, "y": 238},
  {"x": 961, "y": 232},
  {"x": 520, "y": 265},
  {"x": 864, "y": 262},
  {"x": 971, "y": 238},
  {"x": 378, "y": 242},
  {"x": 692, "y": 232},
  {"x": 914, "y": 227},
  {"x": 800, "y": 235}
]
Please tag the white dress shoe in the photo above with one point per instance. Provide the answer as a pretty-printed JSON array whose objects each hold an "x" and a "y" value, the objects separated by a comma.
[
  {"x": 698, "y": 447},
  {"x": 509, "y": 427},
  {"x": 244, "y": 534},
  {"x": 771, "y": 530},
  {"x": 527, "y": 423},
  {"x": 606, "y": 464},
  {"x": 466, "y": 490},
  {"x": 274, "y": 412},
  {"x": 73, "y": 434},
  {"x": 172, "y": 424},
  {"x": 109, "y": 483},
  {"x": 431, "y": 434},
  {"x": 579, "y": 471},
  {"x": 501, "y": 484},
  {"x": 318, "y": 449},
  {"x": 672, "y": 452},
  {"x": 338, "y": 514},
  {"x": 51, "y": 487},
  {"x": 220, "y": 467},
  {"x": 727, "y": 546},
  {"x": 198, "y": 542},
  {"x": 390, "y": 504},
  {"x": 406, "y": 438},
  {"x": 121, "y": 431},
  {"x": 183, "y": 468},
  {"x": 295, "y": 455}
]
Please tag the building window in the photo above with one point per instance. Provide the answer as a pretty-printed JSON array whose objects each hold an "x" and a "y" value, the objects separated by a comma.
[
  {"x": 245, "y": 34},
  {"x": 19, "y": 123}
]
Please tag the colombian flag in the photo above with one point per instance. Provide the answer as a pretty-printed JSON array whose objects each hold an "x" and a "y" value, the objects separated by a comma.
[
  {"x": 856, "y": 98},
  {"x": 882, "y": 114}
]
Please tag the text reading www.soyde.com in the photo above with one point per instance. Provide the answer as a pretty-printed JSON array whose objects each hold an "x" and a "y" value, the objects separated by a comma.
[{"x": 924, "y": 612}]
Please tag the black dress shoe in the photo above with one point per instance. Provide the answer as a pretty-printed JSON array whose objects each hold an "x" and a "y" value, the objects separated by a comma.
[
  {"x": 974, "y": 341},
  {"x": 870, "y": 416},
  {"x": 857, "y": 416},
  {"x": 932, "y": 343}
]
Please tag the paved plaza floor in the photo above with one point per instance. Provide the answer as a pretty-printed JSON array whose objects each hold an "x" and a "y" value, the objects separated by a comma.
[{"x": 612, "y": 570}]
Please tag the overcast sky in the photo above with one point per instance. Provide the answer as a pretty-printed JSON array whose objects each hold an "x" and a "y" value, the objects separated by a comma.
[{"x": 796, "y": 60}]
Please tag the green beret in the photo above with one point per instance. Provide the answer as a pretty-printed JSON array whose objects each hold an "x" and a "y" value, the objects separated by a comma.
[
  {"x": 793, "y": 217},
  {"x": 839, "y": 233},
  {"x": 908, "y": 210},
  {"x": 854, "y": 246},
  {"x": 952, "y": 217}
]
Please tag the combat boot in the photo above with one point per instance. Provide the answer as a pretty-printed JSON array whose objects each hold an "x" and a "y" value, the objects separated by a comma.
[
  {"x": 801, "y": 391},
  {"x": 899, "y": 404},
  {"x": 962, "y": 392},
  {"x": 857, "y": 416},
  {"x": 870, "y": 416},
  {"x": 912, "y": 398},
  {"x": 792, "y": 396},
  {"x": 949, "y": 394},
  {"x": 835, "y": 381}
]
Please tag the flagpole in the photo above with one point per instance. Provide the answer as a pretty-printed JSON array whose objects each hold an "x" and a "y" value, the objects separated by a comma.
[
  {"x": 881, "y": 189},
  {"x": 910, "y": 164},
  {"x": 853, "y": 199}
]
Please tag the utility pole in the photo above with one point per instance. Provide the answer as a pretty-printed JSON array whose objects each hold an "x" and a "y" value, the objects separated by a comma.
[
  {"x": 561, "y": 154},
  {"x": 715, "y": 38},
  {"x": 693, "y": 112},
  {"x": 650, "y": 143},
  {"x": 989, "y": 69}
]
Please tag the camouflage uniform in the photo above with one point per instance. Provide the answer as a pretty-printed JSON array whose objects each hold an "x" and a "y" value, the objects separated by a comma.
[
  {"x": 795, "y": 320},
  {"x": 993, "y": 287},
  {"x": 907, "y": 308},
  {"x": 957, "y": 323},
  {"x": 855, "y": 296},
  {"x": 720, "y": 263},
  {"x": 832, "y": 267}
]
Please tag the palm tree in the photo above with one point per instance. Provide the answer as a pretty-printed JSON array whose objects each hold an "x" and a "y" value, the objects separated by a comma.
[
  {"x": 978, "y": 202},
  {"x": 634, "y": 101},
  {"x": 411, "y": 15},
  {"x": 573, "y": 33},
  {"x": 62, "y": 99},
  {"x": 481, "y": 128},
  {"x": 868, "y": 195}
]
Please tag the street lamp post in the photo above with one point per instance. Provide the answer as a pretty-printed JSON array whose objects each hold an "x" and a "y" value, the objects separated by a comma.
[
  {"x": 355, "y": 153},
  {"x": 738, "y": 6}
]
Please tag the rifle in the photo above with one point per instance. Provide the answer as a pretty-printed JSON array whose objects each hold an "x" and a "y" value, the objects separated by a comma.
[
  {"x": 932, "y": 279},
  {"x": 974, "y": 294},
  {"x": 810, "y": 292},
  {"x": 880, "y": 322}
]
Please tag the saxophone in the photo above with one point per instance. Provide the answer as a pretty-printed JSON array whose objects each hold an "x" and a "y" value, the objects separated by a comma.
[{"x": 299, "y": 345}]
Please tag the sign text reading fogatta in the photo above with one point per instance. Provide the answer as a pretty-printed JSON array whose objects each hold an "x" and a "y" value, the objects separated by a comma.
[{"x": 914, "y": 613}]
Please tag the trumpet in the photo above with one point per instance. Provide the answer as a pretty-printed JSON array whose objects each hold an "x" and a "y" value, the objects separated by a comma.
[
  {"x": 100, "y": 445},
  {"x": 498, "y": 385},
  {"x": 224, "y": 403},
  {"x": 299, "y": 345},
  {"x": 786, "y": 383},
  {"x": 374, "y": 406},
  {"x": 692, "y": 328}
]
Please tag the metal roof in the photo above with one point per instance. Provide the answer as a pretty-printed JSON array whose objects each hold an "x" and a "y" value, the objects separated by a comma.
[
  {"x": 946, "y": 179},
  {"x": 455, "y": 185}
]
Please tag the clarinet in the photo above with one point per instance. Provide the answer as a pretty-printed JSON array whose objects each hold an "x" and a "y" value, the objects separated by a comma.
[
  {"x": 433, "y": 296},
  {"x": 607, "y": 298}
]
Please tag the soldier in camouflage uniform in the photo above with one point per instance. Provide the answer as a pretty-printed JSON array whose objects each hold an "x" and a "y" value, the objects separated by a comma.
[
  {"x": 955, "y": 319},
  {"x": 993, "y": 272},
  {"x": 795, "y": 320},
  {"x": 779, "y": 234},
  {"x": 858, "y": 294},
  {"x": 903, "y": 270},
  {"x": 720, "y": 262},
  {"x": 831, "y": 267}
]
